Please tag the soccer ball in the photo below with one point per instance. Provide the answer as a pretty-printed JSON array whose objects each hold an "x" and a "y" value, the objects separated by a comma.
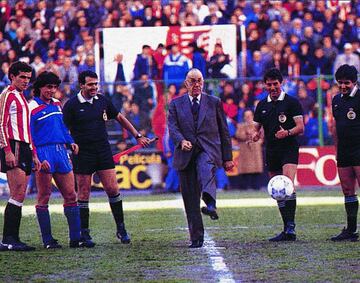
[{"x": 280, "y": 187}]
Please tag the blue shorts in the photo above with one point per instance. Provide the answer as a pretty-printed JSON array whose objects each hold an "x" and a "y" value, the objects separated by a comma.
[{"x": 57, "y": 156}]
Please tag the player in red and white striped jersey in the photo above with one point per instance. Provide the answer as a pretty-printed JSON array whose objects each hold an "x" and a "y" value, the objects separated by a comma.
[{"x": 16, "y": 154}]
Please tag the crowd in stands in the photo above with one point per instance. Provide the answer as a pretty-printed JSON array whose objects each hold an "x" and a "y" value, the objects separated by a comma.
[{"x": 301, "y": 38}]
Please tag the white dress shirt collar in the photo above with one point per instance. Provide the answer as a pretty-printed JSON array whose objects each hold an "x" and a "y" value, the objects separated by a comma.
[{"x": 82, "y": 99}]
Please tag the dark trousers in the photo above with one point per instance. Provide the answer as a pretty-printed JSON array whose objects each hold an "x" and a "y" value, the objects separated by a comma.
[{"x": 191, "y": 193}]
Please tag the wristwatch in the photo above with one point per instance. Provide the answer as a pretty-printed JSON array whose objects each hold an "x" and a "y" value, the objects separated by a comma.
[
  {"x": 289, "y": 133},
  {"x": 138, "y": 136}
]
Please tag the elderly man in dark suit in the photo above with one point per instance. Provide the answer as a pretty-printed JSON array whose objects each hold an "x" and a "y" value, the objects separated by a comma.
[{"x": 198, "y": 128}]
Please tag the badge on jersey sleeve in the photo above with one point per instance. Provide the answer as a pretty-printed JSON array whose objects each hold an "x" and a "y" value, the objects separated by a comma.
[
  {"x": 105, "y": 116},
  {"x": 282, "y": 117},
  {"x": 351, "y": 114}
]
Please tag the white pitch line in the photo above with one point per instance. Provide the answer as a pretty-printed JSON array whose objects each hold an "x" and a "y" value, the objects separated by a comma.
[
  {"x": 223, "y": 274},
  {"x": 178, "y": 203}
]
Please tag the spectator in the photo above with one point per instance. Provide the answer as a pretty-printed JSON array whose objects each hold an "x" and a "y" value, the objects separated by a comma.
[
  {"x": 201, "y": 10},
  {"x": 307, "y": 102},
  {"x": 338, "y": 39},
  {"x": 176, "y": 65},
  {"x": 312, "y": 126},
  {"x": 37, "y": 64},
  {"x": 276, "y": 42},
  {"x": 304, "y": 57},
  {"x": 254, "y": 41},
  {"x": 330, "y": 51},
  {"x": 88, "y": 65},
  {"x": 145, "y": 64},
  {"x": 41, "y": 46},
  {"x": 348, "y": 57},
  {"x": 257, "y": 67},
  {"x": 319, "y": 61},
  {"x": 251, "y": 165},
  {"x": 217, "y": 62},
  {"x": 68, "y": 75},
  {"x": 215, "y": 17},
  {"x": 144, "y": 94},
  {"x": 198, "y": 58}
]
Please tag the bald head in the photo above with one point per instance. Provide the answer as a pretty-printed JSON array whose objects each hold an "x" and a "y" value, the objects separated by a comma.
[{"x": 194, "y": 82}]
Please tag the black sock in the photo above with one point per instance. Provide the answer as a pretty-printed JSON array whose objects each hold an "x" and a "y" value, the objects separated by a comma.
[
  {"x": 117, "y": 210},
  {"x": 84, "y": 213},
  {"x": 290, "y": 205},
  {"x": 282, "y": 208},
  {"x": 12, "y": 219},
  {"x": 210, "y": 202},
  {"x": 351, "y": 207}
]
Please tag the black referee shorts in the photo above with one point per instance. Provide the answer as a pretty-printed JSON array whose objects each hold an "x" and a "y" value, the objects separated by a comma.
[
  {"x": 276, "y": 159},
  {"x": 348, "y": 157},
  {"x": 93, "y": 157},
  {"x": 23, "y": 157}
]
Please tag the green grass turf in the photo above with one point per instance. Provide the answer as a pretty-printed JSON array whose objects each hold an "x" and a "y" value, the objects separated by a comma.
[{"x": 159, "y": 247}]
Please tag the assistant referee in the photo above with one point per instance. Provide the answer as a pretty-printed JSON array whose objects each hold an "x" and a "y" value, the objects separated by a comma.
[{"x": 85, "y": 116}]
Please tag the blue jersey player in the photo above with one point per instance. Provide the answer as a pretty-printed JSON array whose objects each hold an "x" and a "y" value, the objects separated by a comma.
[{"x": 51, "y": 139}]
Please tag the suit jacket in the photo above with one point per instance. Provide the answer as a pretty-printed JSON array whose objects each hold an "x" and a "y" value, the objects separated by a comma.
[{"x": 211, "y": 134}]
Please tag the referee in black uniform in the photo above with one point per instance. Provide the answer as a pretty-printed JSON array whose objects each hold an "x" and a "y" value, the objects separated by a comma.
[
  {"x": 282, "y": 119},
  {"x": 346, "y": 111},
  {"x": 85, "y": 116}
]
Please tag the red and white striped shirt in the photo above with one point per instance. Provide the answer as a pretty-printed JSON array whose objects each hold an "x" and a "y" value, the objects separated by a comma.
[{"x": 14, "y": 118}]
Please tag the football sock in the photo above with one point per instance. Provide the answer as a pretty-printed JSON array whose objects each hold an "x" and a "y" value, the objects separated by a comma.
[
  {"x": 281, "y": 205},
  {"x": 84, "y": 213},
  {"x": 351, "y": 207},
  {"x": 12, "y": 219},
  {"x": 117, "y": 210},
  {"x": 43, "y": 216},
  {"x": 208, "y": 199},
  {"x": 290, "y": 208},
  {"x": 72, "y": 213}
]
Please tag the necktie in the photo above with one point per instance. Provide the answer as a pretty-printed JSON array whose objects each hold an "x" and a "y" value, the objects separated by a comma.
[{"x": 195, "y": 108}]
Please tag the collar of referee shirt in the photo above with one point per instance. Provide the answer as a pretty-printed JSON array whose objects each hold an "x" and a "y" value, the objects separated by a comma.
[
  {"x": 353, "y": 92},
  {"x": 83, "y": 100},
  {"x": 280, "y": 98}
]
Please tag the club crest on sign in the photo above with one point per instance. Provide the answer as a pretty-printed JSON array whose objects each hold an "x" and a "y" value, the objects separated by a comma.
[
  {"x": 105, "y": 116},
  {"x": 351, "y": 114},
  {"x": 282, "y": 118}
]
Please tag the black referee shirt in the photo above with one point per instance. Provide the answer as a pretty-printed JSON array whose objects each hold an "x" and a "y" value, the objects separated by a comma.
[
  {"x": 86, "y": 121},
  {"x": 346, "y": 111},
  {"x": 273, "y": 114}
]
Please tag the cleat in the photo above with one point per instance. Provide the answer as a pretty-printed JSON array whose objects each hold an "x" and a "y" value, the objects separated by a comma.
[
  {"x": 74, "y": 244},
  {"x": 85, "y": 239},
  {"x": 13, "y": 244},
  {"x": 52, "y": 244},
  {"x": 210, "y": 211},
  {"x": 282, "y": 237},
  {"x": 346, "y": 235},
  {"x": 122, "y": 235}
]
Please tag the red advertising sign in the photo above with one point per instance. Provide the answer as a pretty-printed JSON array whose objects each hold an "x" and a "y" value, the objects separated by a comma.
[{"x": 317, "y": 167}]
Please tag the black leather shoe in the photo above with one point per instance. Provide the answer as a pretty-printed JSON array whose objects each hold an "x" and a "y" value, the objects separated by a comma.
[
  {"x": 345, "y": 235},
  {"x": 196, "y": 244},
  {"x": 210, "y": 212},
  {"x": 282, "y": 237}
]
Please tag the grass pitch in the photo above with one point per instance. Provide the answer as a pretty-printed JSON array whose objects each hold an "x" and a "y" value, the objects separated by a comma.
[{"x": 237, "y": 249}]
